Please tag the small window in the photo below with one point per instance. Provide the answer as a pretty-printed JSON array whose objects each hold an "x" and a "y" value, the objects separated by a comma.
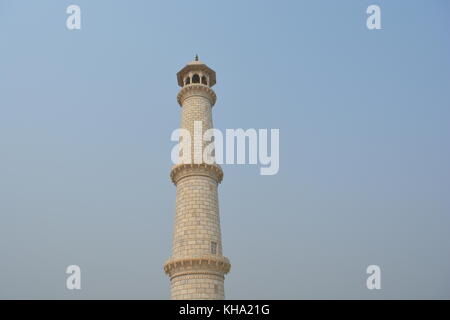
[
  {"x": 195, "y": 78},
  {"x": 204, "y": 80},
  {"x": 187, "y": 81},
  {"x": 213, "y": 247}
]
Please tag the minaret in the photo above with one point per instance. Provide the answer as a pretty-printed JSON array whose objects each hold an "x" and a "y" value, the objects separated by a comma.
[{"x": 197, "y": 266}]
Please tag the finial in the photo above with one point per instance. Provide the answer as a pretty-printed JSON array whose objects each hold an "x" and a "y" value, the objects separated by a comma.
[{"x": 196, "y": 57}]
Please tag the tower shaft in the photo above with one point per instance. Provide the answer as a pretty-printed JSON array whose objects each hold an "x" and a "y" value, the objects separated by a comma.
[{"x": 197, "y": 266}]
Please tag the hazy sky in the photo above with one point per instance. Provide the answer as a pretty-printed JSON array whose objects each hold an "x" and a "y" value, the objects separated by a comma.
[{"x": 364, "y": 119}]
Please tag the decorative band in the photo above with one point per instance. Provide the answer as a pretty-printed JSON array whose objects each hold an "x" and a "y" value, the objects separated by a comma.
[
  {"x": 207, "y": 265},
  {"x": 183, "y": 170},
  {"x": 196, "y": 89}
]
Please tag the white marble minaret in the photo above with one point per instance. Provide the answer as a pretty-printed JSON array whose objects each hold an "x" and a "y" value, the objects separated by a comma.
[{"x": 197, "y": 266}]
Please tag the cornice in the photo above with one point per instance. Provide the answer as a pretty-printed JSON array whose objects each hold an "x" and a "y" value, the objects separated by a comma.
[
  {"x": 218, "y": 265},
  {"x": 196, "y": 89},
  {"x": 183, "y": 170}
]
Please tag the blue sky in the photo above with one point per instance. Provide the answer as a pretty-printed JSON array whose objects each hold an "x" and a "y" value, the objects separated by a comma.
[{"x": 85, "y": 124}]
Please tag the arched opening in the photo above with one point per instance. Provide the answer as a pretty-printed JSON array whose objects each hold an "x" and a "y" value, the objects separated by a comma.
[
  {"x": 204, "y": 80},
  {"x": 195, "y": 78},
  {"x": 187, "y": 81}
]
